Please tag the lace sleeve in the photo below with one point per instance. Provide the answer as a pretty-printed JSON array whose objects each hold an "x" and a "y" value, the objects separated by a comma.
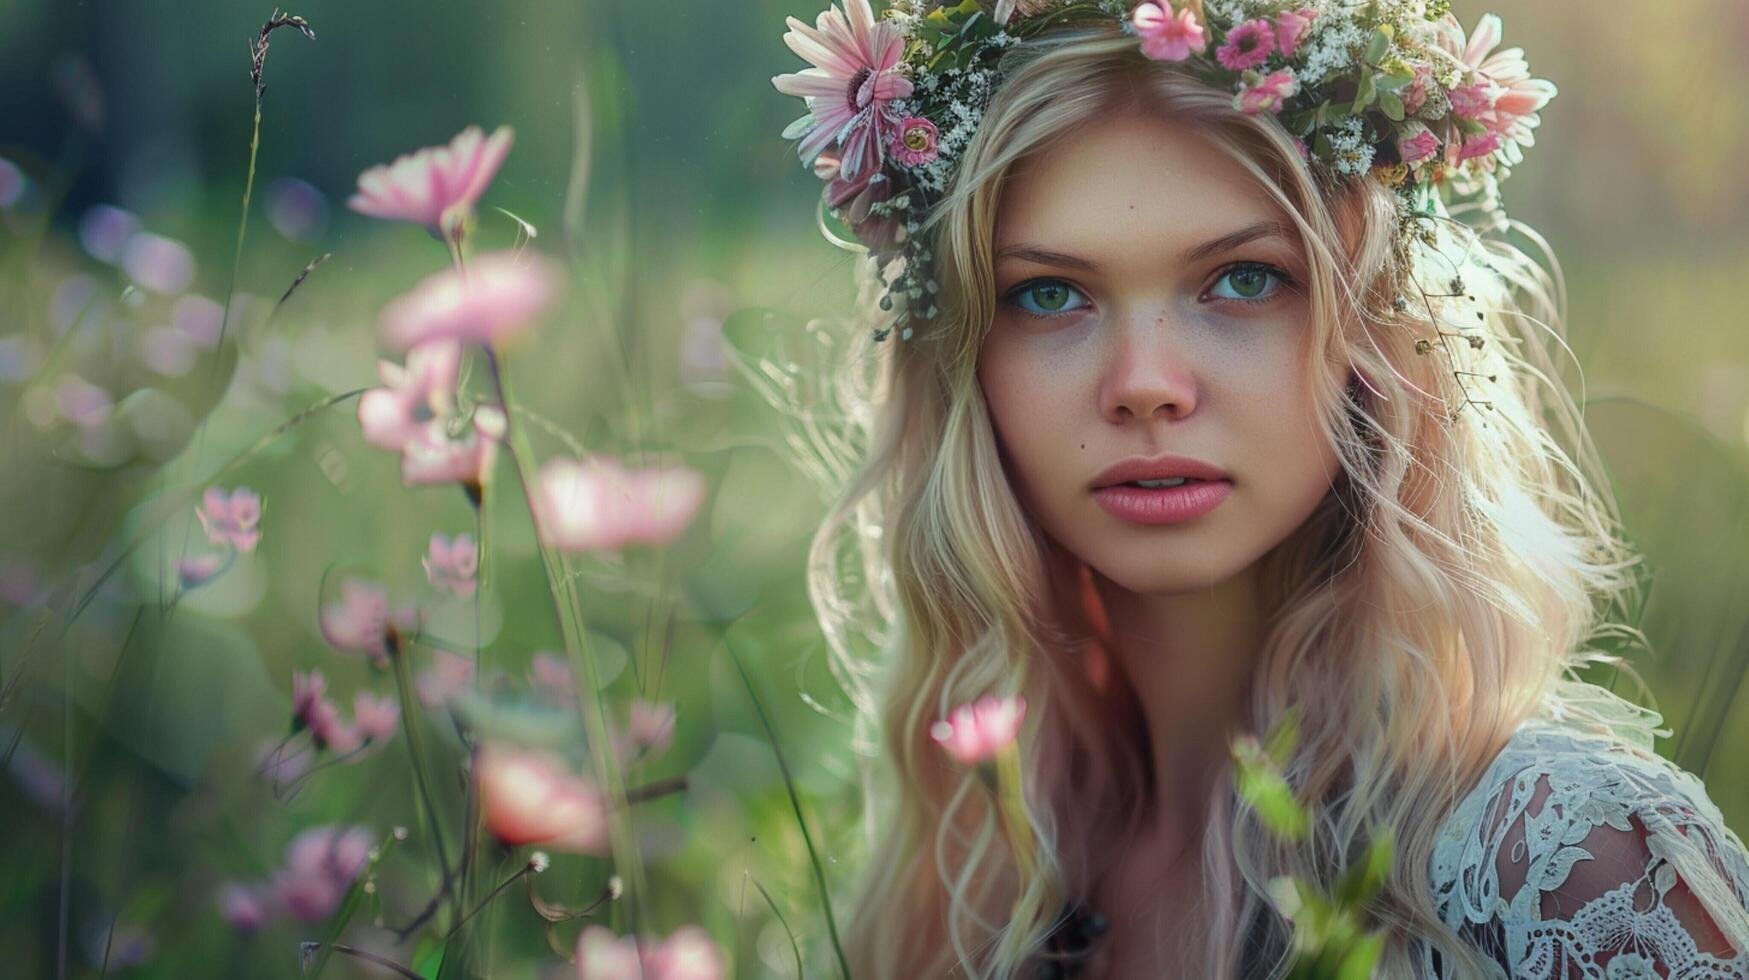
[{"x": 1613, "y": 866}]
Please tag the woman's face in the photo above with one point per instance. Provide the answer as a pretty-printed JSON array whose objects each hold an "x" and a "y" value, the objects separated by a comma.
[{"x": 1133, "y": 321}]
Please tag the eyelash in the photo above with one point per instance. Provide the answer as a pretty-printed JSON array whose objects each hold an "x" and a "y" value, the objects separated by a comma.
[{"x": 1285, "y": 282}]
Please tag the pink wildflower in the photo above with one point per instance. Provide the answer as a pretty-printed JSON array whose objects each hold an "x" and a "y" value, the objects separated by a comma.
[
  {"x": 436, "y": 186},
  {"x": 1290, "y": 27},
  {"x": 1167, "y": 36},
  {"x": 551, "y": 678},
  {"x": 914, "y": 145},
  {"x": 245, "y": 908},
  {"x": 362, "y": 621},
  {"x": 596, "y": 504},
  {"x": 431, "y": 456},
  {"x": 231, "y": 517},
  {"x": 649, "y": 729},
  {"x": 452, "y": 564},
  {"x": 412, "y": 396},
  {"x": 1268, "y": 94},
  {"x": 975, "y": 732},
  {"x": 1248, "y": 45},
  {"x": 375, "y": 718},
  {"x": 688, "y": 954},
  {"x": 163, "y": 265},
  {"x": 198, "y": 570},
  {"x": 83, "y": 403},
  {"x": 850, "y": 90},
  {"x": 489, "y": 302},
  {"x": 530, "y": 797},
  {"x": 320, "y": 865},
  {"x": 448, "y": 677},
  {"x": 312, "y": 710}
]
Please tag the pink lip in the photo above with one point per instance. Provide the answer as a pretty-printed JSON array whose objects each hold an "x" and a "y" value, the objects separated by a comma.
[
  {"x": 1171, "y": 505},
  {"x": 1161, "y": 467}
]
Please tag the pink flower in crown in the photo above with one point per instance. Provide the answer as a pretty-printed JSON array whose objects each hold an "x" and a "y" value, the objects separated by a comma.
[
  {"x": 312, "y": 711},
  {"x": 550, "y": 678},
  {"x": 1168, "y": 36},
  {"x": 231, "y": 517},
  {"x": 1416, "y": 143},
  {"x": 320, "y": 865},
  {"x": 855, "y": 199},
  {"x": 850, "y": 89},
  {"x": 375, "y": 718},
  {"x": 491, "y": 301},
  {"x": 531, "y": 797},
  {"x": 447, "y": 678},
  {"x": 1415, "y": 93},
  {"x": 432, "y": 456},
  {"x": 915, "y": 144},
  {"x": 452, "y": 564},
  {"x": 1501, "y": 94},
  {"x": 1290, "y": 27},
  {"x": 413, "y": 395},
  {"x": 687, "y": 954},
  {"x": 1269, "y": 94},
  {"x": 1248, "y": 45},
  {"x": 975, "y": 732},
  {"x": 595, "y": 504},
  {"x": 436, "y": 186}
]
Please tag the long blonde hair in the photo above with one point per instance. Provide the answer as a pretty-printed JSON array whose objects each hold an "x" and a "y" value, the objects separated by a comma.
[{"x": 1431, "y": 603}]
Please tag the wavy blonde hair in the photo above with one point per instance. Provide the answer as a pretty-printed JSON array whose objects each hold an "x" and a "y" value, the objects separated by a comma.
[{"x": 1430, "y": 604}]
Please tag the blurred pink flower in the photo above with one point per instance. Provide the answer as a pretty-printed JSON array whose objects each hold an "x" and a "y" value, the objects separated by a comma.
[
  {"x": 436, "y": 186},
  {"x": 167, "y": 351},
  {"x": 83, "y": 403},
  {"x": 689, "y": 953},
  {"x": 163, "y": 265},
  {"x": 1416, "y": 143},
  {"x": 1268, "y": 94},
  {"x": 551, "y": 678},
  {"x": 453, "y": 564},
  {"x": 412, "y": 396},
  {"x": 320, "y": 864},
  {"x": 104, "y": 230},
  {"x": 431, "y": 456},
  {"x": 375, "y": 717},
  {"x": 198, "y": 570},
  {"x": 312, "y": 710},
  {"x": 1290, "y": 27},
  {"x": 231, "y": 517},
  {"x": 915, "y": 143},
  {"x": 975, "y": 732},
  {"x": 1168, "y": 36},
  {"x": 199, "y": 318},
  {"x": 489, "y": 302},
  {"x": 1248, "y": 45},
  {"x": 649, "y": 729},
  {"x": 296, "y": 209},
  {"x": 850, "y": 90},
  {"x": 245, "y": 907},
  {"x": 595, "y": 504},
  {"x": 448, "y": 677},
  {"x": 530, "y": 797},
  {"x": 362, "y": 621}
]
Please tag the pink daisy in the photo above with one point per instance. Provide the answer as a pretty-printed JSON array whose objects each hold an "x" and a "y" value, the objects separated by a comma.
[
  {"x": 437, "y": 186},
  {"x": 489, "y": 302},
  {"x": 1248, "y": 45},
  {"x": 850, "y": 89}
]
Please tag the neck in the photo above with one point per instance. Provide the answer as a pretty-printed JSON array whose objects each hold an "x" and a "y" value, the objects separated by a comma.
[{"x": 1190, "y": 657}]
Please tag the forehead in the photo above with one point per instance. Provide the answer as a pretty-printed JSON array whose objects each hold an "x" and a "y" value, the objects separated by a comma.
[{"x": 1127, "y": 186}]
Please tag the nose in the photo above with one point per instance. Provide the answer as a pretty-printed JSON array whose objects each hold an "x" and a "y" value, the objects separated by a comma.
[{"x": 1146, "y": 373}]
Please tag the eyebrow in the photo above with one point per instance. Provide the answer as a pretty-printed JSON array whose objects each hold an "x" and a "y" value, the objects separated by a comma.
[{"x": 1214, "y": 246}]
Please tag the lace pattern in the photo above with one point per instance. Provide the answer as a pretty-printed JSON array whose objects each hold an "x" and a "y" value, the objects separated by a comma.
[{"x": 1580, "y": 855}]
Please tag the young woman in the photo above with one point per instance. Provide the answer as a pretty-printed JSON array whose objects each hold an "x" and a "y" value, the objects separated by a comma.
[{"x": 1119, "y": 244}]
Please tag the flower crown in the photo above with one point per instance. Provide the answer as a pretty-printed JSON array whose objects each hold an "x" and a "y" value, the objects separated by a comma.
[{"x": 1387, "y": 89}]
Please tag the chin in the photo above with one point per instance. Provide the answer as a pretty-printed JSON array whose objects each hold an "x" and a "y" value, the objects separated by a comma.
[{"x": 1147, "y": 567}]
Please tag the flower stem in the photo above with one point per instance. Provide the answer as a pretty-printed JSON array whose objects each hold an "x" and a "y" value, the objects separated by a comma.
[{"x": 410, "y": 715}]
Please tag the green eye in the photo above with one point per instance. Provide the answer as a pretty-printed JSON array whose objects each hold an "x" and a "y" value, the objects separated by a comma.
[
  {"x": 1043, "y": 297},
  {"x": 1250, "y": 282}
]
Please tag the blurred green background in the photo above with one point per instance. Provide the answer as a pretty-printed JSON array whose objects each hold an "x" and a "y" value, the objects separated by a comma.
[{"x": 647, "y": 153}]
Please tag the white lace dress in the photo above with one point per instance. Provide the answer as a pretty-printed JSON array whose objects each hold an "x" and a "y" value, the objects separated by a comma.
[{"x": 1580, "y": 855}]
